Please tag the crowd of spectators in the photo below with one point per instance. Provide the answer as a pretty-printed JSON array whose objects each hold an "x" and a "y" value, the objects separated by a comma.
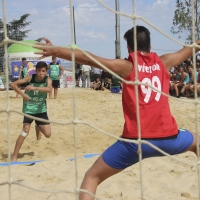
[
  {"x": 96, "y": 79},
  {"x": 182, "y": 79}
]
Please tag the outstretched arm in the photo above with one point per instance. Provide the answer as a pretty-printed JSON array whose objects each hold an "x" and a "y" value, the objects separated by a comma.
[
  {"x": 173, "y": 59},
  {"x": 119, "y": 66}
]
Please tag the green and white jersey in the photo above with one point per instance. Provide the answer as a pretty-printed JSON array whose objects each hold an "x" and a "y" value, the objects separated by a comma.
[
  {"x": 37, "y": 103},
  {"x": 54, "y": 71},
  {"x": 24, "y": 72}
]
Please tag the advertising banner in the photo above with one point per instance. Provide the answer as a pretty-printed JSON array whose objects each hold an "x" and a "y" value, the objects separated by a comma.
[
  {"x": 69, "y": 81},
  {"x": 30, "y": 65}
]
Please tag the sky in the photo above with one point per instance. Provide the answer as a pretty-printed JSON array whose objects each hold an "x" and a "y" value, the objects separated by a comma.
[{"x": 94, "y": 24}]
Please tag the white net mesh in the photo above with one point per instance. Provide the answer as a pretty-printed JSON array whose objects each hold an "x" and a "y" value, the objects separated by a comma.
[{"x": 74, "y": 123}]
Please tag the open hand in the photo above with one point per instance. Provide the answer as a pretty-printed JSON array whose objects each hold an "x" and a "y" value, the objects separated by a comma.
[{"x": 47, "y": 48}]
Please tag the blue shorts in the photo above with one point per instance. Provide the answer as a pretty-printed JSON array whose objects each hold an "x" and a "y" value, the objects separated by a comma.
[{"x": 124, "y": 154}]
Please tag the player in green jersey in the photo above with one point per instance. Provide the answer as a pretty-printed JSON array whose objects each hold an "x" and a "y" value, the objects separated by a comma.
[
  {"x": 23, "y": 72},
  {"x": 34, "y": 104},
  {"x": 54, "y": 72}
]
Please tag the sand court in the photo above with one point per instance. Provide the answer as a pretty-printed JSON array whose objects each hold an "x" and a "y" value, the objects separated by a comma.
[{"x": 163, "y": 178}]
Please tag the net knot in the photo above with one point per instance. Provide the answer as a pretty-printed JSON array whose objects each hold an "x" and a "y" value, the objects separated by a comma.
[
  {"x": 73, "y": 46},
  {"x": 10, "y": 181}
]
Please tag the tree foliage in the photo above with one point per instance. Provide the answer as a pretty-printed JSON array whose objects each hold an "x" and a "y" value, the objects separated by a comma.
[
  {"x": 15, "y": 31},
  {"x": 182, "y": 21}
]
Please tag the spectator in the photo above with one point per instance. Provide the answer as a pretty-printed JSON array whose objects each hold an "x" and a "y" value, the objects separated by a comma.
[
  {"x": 198, "y": 56},
  {"x": 80, "y": 76},
  {"x": 171, "y": 71},
  {"x": 192, "y": 87},
  {"x": 77, "y": 67},
  {"x": 184, "y": 80},
  {"x": 96, "y": 85},
  {"x": 97, "y": 73},
  {"x": 106, "y": 84},
  {"x": 86, "y": 75},
  {"x": 92, "y": 75},
  {"x": 197, "y": 65},
  {"x": 176, "y": 77},
  {"x": 187, "y": 86},
  {"x": 105, "y": 80}
]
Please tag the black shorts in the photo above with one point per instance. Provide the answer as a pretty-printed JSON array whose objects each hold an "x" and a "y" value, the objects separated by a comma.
[
  {"x": 39, "y": 115},
  {"x": 77, "y": 76},
  {"x": 55, "y": 83}
]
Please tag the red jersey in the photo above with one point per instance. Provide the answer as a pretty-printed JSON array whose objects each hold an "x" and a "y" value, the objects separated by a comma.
[{"x": 156, "y": 120}]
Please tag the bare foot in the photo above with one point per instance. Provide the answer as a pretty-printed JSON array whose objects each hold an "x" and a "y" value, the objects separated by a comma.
[
  {"x": 38, "y": 132},
  {"x": 13, "y": 159}
]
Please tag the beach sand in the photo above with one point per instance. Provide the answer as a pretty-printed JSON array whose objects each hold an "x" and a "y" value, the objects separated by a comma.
[{"x": 163, "y": 178}]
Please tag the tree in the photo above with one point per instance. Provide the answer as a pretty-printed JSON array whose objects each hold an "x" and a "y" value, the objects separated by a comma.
[
  {"x": 15, "y": 31},
  {"x": 182, "y": 21}
]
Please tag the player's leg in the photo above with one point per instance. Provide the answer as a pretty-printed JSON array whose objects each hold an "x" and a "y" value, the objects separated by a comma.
[
  {"x": 25, "y": 131},
  {"x": 193, "y": 145},
  {"x": 55, "y": 93},
  {"x": 94, "y": 176},
  {"x": 42, "y": 127},
  {"x": 56, "y": 85},
  {"x": 111, "y": 162},
  {"x": 38, "y": 132},
  {"x": 46, "y": 130},
  {"x": 115, "y": 159}
]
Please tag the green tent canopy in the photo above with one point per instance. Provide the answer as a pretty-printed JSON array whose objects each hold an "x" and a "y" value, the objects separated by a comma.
[{"x": 18, "y": 48}]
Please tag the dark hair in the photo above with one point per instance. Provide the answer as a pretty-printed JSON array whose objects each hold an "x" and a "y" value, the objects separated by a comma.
[
  {"x": 176, "y": 68},
  {"x": 23, "y": 59},
  {"x": 53, "y": 57},
  {"x": 40, "y": 65},
  {"x": 190, "y": 66},
  {"x": 143, "y": 38}
]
